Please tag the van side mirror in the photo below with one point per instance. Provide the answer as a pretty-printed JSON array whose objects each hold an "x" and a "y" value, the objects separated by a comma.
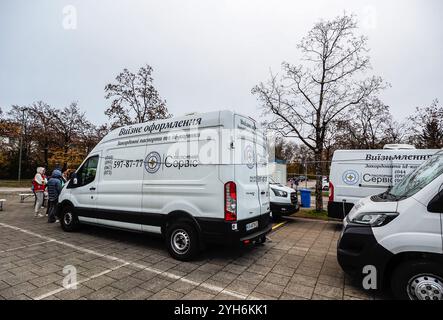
[
  {"x": 73, "y": 182},
  {"x": 436, "y": 204}
]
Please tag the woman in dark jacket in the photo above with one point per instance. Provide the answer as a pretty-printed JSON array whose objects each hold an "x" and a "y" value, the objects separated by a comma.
[{"x": 54, "y": 188}]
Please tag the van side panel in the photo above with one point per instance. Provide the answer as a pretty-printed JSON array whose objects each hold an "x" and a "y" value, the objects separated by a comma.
[
  {"x": 181, "y": 173},
  {"x": 121, "y": 172},
  {"x": 356, "y": 174}
]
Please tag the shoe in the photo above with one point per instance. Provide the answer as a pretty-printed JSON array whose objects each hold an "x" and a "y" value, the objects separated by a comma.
[{"x": 40, "y": 215}]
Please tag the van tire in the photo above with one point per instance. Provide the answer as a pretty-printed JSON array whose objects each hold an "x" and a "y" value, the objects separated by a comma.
[
  {"x": 407, "y": 274},
  {"x": 261, "y": 240},
  {"x": 182, "y": 241},
  {"x": 68, "y": 219}
]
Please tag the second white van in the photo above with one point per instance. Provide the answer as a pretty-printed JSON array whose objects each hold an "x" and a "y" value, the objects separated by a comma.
[
  {"x": 356, "y": 174},
  {"x": 396, "y": 237},
  {"x": 195, "y": 179}
]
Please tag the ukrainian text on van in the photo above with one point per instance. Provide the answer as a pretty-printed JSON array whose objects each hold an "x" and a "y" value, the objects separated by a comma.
[{"x": 356, "y": 174}]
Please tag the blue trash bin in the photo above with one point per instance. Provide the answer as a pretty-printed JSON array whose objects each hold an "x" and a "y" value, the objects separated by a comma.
[{"x": 305, "y": 195}]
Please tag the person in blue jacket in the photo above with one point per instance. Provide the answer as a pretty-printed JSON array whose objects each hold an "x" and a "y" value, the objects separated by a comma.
[{"x": 54, "y": 188}]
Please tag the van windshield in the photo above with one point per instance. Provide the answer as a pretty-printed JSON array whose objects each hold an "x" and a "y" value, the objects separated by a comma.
[{"x": 419, "y": 178}]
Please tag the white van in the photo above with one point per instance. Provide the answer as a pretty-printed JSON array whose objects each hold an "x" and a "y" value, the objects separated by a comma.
[
  {"x": 194, "y": 179},
  {"x": 356, "y": 174},
  {"x": 399, "y": 232}
]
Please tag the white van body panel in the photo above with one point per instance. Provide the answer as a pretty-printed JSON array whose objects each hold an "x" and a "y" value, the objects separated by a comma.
[
  {"x": 85, "y": 196},
  {"x": 413, "y": 222},
  {"x": 415, "y": 229},
  {"x": 400, "y": 234},
  {"x": 147, "y": 171},
  {"x": 356, "y": 174},
  {"x": 368, "y": 177}
]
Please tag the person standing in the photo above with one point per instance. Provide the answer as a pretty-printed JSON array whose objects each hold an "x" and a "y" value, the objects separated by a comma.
[
  {"x": 54, "y": 189},
  {"x": 39, "y": 184}
]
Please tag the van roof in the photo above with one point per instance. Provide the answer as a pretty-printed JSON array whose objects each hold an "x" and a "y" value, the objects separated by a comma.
[
  {"x": 359, "y": 155},
  {"x": 398, "y": 146},
  {"x": 175, "y": 123}
]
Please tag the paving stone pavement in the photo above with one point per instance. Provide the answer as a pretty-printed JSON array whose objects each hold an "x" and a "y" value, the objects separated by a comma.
[{"x": 297, "y": 262}]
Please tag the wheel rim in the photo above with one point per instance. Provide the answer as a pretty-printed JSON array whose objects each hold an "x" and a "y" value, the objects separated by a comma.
[
  {"x": 180, "y": 241},
  {"x": 67, "y": 218},
  {"x": 425, "y": 287}
]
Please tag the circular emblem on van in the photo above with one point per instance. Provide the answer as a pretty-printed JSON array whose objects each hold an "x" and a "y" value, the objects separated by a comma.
[
  {"x": 350, "y": 177},
  {"x": 153, "y": 162},
  {"x": 249, "y": 157}
]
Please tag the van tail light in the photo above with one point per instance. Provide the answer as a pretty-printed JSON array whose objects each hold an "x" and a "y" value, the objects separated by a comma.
[
  {"x": 331, "y": 192},
  {"x": 230, "y": 201}
]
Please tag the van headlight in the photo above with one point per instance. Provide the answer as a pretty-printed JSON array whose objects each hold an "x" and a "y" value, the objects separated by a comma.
[
  {"x": 280, "y": 193},
  {"x": 374, "y": 219}
]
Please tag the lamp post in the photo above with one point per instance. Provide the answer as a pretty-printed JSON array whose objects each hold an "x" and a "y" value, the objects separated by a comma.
[{"x": 21, "y": 145}]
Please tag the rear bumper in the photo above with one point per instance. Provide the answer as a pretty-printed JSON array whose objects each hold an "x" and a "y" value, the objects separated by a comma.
[
  {"x": 339, "y": 210},
  {"x": 224, "y": 232},
  {"x": 284, "y": 208}
]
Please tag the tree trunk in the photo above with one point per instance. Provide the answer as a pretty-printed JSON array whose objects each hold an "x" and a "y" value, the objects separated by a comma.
[
  {"x": 46, "y": 156},
  {"x": 319, "y": 178}
]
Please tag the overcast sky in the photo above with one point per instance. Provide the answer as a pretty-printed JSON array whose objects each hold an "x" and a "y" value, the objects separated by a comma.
[{"x": 206, "y": 55}]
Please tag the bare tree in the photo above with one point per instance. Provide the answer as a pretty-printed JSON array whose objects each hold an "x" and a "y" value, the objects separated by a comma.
[
  {"x": 427, "y": 126},
  {"x": 70, "y": 122},
  {"x": 395, "y": 132},
  {"x": 134, "y": 98},
  {"x": 22, "y": 123},
  {"x": 91, "y": 135},
  {"x": 43, "y": 127},
  {"x": 307, "y": 98},
  {"x": 366, "y": 125}
]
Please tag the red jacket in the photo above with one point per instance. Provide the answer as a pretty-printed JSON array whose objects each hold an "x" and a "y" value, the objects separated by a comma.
[{"x": 39, "y": 187}]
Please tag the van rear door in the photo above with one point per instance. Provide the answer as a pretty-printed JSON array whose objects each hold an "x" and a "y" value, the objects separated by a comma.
[
  {"x": 261, "y": 147},
  {"x": 248, "y": 192}
]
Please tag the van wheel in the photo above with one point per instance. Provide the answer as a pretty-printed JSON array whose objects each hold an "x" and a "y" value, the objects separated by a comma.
[
  {"x": 68, "y": 219},
  {"x": 261, "y": 240},
  {"x": 182, "y": 241},
  {"x": 418, "y": 280}
]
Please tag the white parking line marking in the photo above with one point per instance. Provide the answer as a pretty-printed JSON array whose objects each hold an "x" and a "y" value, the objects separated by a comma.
[
  {"x": 137, "y": 265},
  {"x": 48, "y": 294},
  {"x": 24, "y": 247}
]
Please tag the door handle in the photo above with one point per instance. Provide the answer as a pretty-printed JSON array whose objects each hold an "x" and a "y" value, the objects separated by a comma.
[
  {"x": 92, "y": 188},
  {"x": 263, "y": 192}
]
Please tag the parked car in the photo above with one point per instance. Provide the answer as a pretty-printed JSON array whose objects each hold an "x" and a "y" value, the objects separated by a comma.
[
  {"x": 284, "y": 200},
  {"x": 399, "y": 232},
  {"x": 134, "y": 180}
]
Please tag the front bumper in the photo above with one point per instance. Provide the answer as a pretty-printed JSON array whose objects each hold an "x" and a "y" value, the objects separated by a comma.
[
  {"x": 357, "y": 247},
  {"x": 220, "y": 231},
  {"x": 339, "y": 210},
  {"x": 284, "y": 208}
]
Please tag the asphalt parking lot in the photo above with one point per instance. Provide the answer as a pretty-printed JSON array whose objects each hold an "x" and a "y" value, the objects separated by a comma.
[{"x": 297, "y": 262}]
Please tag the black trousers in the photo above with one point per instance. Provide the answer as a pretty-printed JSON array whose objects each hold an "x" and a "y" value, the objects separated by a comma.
[{"x": 52, "y": 205}]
